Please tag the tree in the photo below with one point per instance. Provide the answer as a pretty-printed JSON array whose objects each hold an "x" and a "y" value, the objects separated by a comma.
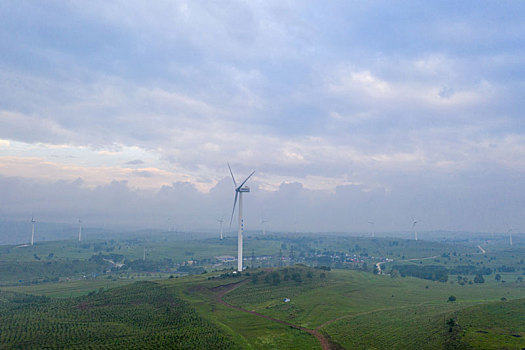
[
  {"x": 479, "y": 279},
  {"x": 498, "y": 277},
  {"x": 451, "y": 298}
]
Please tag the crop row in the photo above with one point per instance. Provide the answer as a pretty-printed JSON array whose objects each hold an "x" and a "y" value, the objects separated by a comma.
[{"x": 139, "y": 316}]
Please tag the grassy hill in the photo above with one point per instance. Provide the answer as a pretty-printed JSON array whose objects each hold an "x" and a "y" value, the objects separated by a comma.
[
  {"x": 359, "y": 310},
  {"x": 497, "y": 325}
]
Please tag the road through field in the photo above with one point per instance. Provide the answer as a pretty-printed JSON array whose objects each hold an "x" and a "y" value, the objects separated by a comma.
[{"x": 220, "y": 291}]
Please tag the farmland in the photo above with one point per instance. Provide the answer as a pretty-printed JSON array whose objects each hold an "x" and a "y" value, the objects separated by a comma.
[
  {"x": 138, "y": 316},
  {"x": 332, "y": 283}
]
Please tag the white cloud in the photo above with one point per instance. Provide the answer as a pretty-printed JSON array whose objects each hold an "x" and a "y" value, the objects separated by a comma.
[{"x": 331, "y": 97}]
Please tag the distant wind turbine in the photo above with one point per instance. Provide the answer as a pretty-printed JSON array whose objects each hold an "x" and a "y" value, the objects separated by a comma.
[
  {"x": 79, "y": 230},
  {"x": 373, "y": 231},
  {"x": 33, "y": 230},
  {"x": 263, "y": 223},
  {"x": 239, "y": 190},
  {"x": 509, "y": 232},
  {"x": 221, "y": 220},
  {"x": 414, "y": 222}
]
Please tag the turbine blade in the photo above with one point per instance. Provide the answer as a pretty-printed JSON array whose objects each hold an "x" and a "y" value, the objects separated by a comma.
[
  {"x": 253, "y": 172},
  {"x": 233, "y": 177},
  {"x": 233, "y": 211}
]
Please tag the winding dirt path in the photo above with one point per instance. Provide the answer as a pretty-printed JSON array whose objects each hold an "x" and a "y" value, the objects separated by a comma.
[{"x": 220, "y": 291}]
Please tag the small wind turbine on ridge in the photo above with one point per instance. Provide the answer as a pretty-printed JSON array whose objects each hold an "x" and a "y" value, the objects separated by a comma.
[
  {"x": 221, "y": 220},
  {"x": 79, "y": 230},
  {"x": 509, "y": 232},
  {"x": 32, "y": 230},
  {"x": 239, "y": 190},
  {"x": 263, "y": 223},
  {"x": 414, "y": 222},
  {"x": 373, "y": 231}
]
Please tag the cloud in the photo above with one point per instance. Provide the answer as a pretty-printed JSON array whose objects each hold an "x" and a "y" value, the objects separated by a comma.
[
  {"x": 135, "y": 162},
  {"x": 290, "y": 207},
  {"x": 375, "y": 96}
]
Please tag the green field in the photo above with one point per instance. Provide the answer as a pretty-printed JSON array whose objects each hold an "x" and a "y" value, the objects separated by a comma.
[
  {"x": 353, "y": 309},
  {"x": 333, "y": 291}
]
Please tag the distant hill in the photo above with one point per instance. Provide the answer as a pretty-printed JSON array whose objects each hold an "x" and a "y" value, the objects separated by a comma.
[{"x": 18, "y": 232}]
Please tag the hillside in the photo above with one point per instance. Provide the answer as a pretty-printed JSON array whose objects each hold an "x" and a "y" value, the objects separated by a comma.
[
  {"x": 497, "y": 325},
  {"x": 143, "y": 315}
]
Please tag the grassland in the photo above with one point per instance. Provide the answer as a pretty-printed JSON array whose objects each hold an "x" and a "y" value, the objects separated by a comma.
[
  {"x": 353, "y": 307},
  {"x": 361, "y": 310},
  {"x": 247, "y": 331}
]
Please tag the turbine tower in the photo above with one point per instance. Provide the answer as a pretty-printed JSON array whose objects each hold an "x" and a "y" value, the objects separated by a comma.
[
  {"x": 373, "y": 231},
  {"x": 79, "y": 230},
  {"x": 414, "y": 222},
  {"x": 263, "y": 223},
  {"x": 33, "y": 230},
  {"x": 239, "y": 190},
  {"x": 221, "y": 220},
  {"x": 509, "y": 231}
]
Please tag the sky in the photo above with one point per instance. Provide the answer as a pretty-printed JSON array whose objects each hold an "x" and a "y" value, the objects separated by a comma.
[{"x": 350, "y": 112}]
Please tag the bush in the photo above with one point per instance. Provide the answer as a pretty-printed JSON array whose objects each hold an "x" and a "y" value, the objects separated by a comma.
[
  {"x": 479, "y": 279},
  {"x": 451, "y": 298}
]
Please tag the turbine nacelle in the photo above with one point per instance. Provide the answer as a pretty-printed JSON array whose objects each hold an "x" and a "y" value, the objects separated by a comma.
[{"x": 243, "y": 189}]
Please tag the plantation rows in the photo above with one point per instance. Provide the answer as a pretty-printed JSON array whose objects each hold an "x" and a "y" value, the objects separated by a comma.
[
  {"x": 139, "y": 316},
  {"x": 498, "y": 325},
  {"x": 403, "y": 328}
]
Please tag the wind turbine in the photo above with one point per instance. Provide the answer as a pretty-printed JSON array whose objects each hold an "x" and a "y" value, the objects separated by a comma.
[
  {"x": 373, "y": 231},
  {"x": 509, "y": 232},
  {"x": 221, "y": 220},
  {"x": 414, "y": 222},
  {"x": 239, "y": 190},
  {"x": 79, "y": 230},
  {"x": 33, "y": 230},
  {"x": 263, "y": 222}
]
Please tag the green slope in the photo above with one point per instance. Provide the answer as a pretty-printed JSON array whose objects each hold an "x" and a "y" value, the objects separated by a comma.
[{"x": 143, "y": 315}]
